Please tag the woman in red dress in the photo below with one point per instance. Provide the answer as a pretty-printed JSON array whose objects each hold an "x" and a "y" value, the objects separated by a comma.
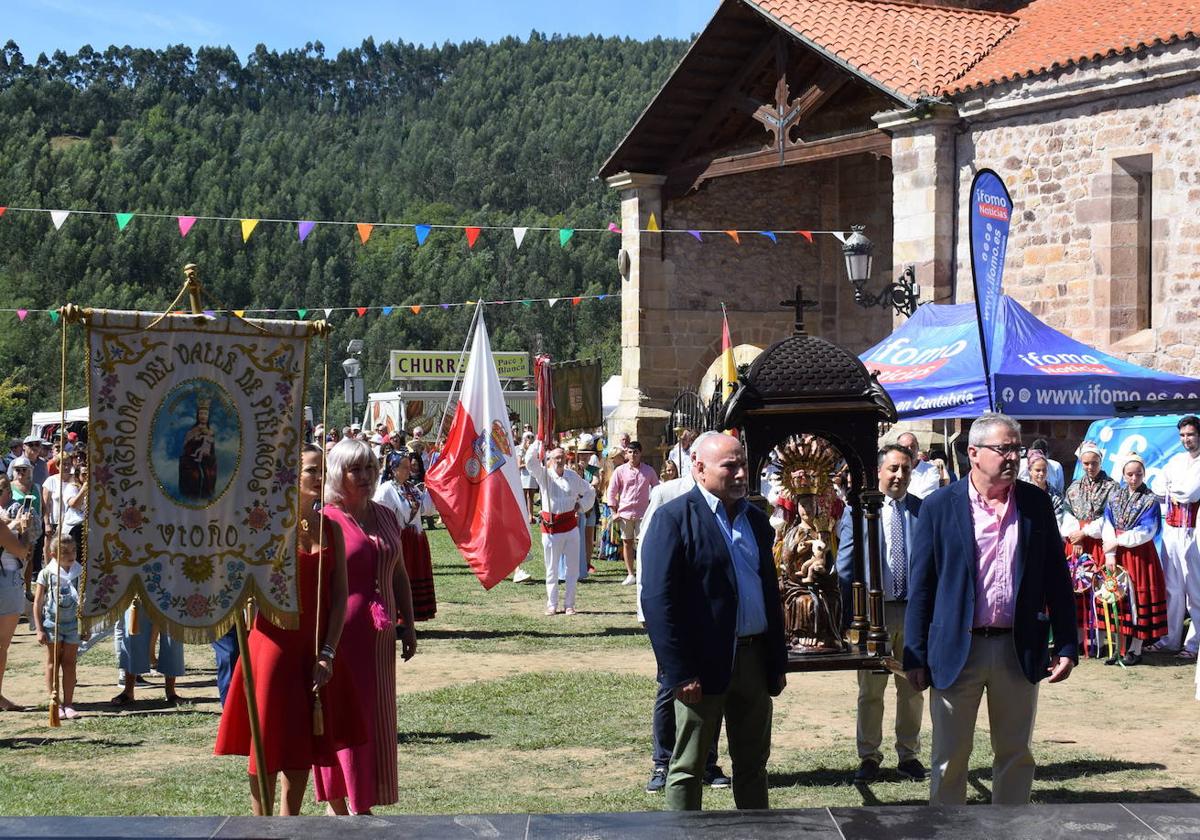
[
  {"x": 288, "y": 668},
  {"x": 366, "y": 775},
  {"x": 1132, "y": 518}
]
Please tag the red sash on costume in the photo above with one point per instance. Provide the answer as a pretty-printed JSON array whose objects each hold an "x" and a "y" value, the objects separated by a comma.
[
  {"x": 1182, "y": 516},
  {"x": 559, "y": 523}
]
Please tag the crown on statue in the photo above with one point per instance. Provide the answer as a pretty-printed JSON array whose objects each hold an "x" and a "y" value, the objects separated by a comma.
[
  {"x": 807, "y": 465},
  {"x": 203, "y": 403}
]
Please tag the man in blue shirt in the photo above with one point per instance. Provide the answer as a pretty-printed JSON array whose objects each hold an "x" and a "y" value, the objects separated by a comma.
[{"x": 713, "y": 613}]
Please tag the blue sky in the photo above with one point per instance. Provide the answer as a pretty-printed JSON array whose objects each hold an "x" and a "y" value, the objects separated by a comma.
[{"x": 47, "y": 25}]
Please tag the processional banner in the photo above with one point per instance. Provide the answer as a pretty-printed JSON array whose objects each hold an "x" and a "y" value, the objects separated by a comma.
[{"x": 194, "y": 447}]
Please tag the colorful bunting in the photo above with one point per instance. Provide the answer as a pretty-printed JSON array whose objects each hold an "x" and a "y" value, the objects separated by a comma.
[
  {"x": 733, "y": 234},
  {"x": 208, "y": 313},
  {"x": 248, "y": 226},
  {"x": 361, "y": 310},
  {"x": 519, "y": 235},
  {"x": 422, "y": 232},
  {"x": 21, "y": 313},
  {"x": 123, "y": 219},
  {"x": 58, "y": 217},
  {"x": 552, "y": 301},
  {"x": 445, "y": 306},
  {"x": 185, "y": 224},
  {"x": 696, "y": 234},
  {"x": 472, "y": 236},
  {"x": 564, "y": 236},
  {"x": 575, "y": 301},
  {"x": 328, "y": 312},
  {"x": 241, "y": 313},
  {"x": 807, "y": 234},
  {"x": 54, "y": 316},
  {"x": 303, "y": 313},
  {"x": 528, "y": 303},
  {"x": 364, "y": 231},
  {"x": 304, "y": 229},
  {"x": 841, "y": 237},
  {"x": 2, "y": 209},
  {"x": 387, "y": 310},
  {"x": 770, "y": 234},
  {"x": 652, "y": 225},
  {"x": 416, "y": 310},
  {"x": 612, "y": 228}
]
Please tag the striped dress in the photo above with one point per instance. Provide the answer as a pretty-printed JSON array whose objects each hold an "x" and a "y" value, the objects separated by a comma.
[{"x": 366, "y": 775}]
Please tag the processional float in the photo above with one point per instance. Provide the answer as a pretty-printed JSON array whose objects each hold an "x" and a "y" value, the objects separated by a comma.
[{"x": 809, "y": 411}]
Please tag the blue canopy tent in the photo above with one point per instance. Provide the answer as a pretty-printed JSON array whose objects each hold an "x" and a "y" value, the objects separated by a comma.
[{"x": 932, "y": 368}]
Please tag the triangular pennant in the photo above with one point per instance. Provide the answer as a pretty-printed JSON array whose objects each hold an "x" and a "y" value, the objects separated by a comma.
[
  {"x": 364, "y": 231},
  {"x": 552, "y": 301},
  {"x": 209, "y": 313},
  {"x": 602, "y": 297},
  {"x": 612, "y": 228},
  {"x": 303, "y": 313},
  {"x": 241, "y": 313},
  {"x": 2, "y": 209},
  {"x": 735, "y": 236},
  {"x": 422, "y": 232},
  {"x": 472, "y": 236},
  {"x": 185, "y": 224},
  {"x": 575, "y": 301},
  {"x": 652, "y": 225},
  {"x": 387, "y": 310},
  {"x": 248, "y": 226},
  {"x": 21, "y": 313},
  {"x": 564, "y": 236},
  {"x": 770, "y": 234},
  {"x": 807, "y": 234},
  {"x": 328, "y": 312},
  {"x": 123, "y": 219},
  {"x": 304, "y": 229},
  {"x": 519, "y": 235},
  {"x": 416, "y": 310},
  {"x": 696, "y": 234},
  {"x": 841, "y": 237},
  {"x": 361, "y": 310},
  {"x": 54, "y": 315},
  {"x": 527, "y": 303},
  {"x": 58, "y": 217},
  {"x": 445, "y": 306}
]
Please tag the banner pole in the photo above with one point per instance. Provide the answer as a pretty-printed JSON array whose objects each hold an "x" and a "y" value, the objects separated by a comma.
[{"x": 192, "y": 287}]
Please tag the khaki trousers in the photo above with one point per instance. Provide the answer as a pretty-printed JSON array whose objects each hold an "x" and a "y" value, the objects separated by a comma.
[
  {"x": 1012, "y": 705},
  {"x": 910, "y": 703},
  {"x": 746, "y": 706}
]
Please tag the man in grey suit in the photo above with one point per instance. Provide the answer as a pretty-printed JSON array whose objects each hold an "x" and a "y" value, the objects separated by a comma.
[{"x": 897, "y": 521}]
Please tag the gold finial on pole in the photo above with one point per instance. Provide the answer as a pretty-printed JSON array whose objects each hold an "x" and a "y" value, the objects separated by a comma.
[{"x": 192, "y": 272}]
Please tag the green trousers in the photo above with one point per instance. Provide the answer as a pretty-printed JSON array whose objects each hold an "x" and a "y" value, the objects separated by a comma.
[{"x": 746, "y": 706}]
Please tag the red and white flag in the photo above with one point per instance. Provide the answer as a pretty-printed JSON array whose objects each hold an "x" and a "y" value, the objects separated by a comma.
[{"x": 475, "y": 483}]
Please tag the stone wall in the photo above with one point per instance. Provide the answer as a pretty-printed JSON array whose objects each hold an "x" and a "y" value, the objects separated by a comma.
[
  {"x": 1065, "y": 147},
  {"x": 753, "y": 277}
]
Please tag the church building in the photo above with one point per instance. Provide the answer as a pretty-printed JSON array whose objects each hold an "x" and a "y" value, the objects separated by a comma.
[{"x": 793, "y": 117}]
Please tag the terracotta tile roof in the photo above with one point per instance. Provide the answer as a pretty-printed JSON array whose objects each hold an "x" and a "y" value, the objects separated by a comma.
[
  {"x": 1060, "y": 33},
  {"x": 909, "y": 49}
]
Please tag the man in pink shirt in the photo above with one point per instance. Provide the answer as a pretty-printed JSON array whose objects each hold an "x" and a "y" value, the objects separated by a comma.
[
  {"x": 988, "y": 582},
  {"x": 629, "y": 496}
]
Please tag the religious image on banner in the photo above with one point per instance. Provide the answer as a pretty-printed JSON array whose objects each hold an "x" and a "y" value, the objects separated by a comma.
[
  {"x": 194, "y": 441},
  {"x": 577, "y": 402}
]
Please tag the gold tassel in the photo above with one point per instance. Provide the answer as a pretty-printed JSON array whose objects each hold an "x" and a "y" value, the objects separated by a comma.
[
  {"x": 54, "y": 721},
  {"x": 134, "y": 624},
  {"x": 318, "y": 716}
]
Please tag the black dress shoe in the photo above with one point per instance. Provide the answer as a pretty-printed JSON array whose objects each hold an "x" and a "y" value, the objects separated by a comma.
[
  {"x": 867, "y": 772},
  {"x": 1131, "y": 659},
  {"x": 1112, "y": 660},
  {"x": 912, "y": 769}
]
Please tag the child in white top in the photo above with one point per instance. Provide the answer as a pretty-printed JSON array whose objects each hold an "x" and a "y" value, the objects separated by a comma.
[{"x": 56, "y": 615}]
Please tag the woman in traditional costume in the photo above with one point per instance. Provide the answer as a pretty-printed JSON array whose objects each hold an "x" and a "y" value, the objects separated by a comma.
[
  {"x": 1132, "y": 518},
  {"x": 1038, "y": 467},
  {"x": 406, "y": 499},
  {"x": 288, "y": 667},
  {"x": 1081, "y": 526},
  {"x": 366, "y": 775}
]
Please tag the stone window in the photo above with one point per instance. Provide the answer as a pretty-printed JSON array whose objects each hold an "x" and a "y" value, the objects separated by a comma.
[{"x": 1131, "y": 280}]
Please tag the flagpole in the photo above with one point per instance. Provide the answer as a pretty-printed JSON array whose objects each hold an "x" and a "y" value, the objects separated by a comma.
[{"x": 457, "y": 370}]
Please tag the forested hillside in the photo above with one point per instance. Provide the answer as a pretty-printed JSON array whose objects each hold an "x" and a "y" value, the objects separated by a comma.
[{"x": 510, "y": 134}]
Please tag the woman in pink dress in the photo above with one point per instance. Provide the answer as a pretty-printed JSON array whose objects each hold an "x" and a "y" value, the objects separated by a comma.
[{"x": 366, "y": 776}]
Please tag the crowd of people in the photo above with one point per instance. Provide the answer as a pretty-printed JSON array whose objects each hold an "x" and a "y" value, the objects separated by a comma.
[{"x": 1048, "y": 571}]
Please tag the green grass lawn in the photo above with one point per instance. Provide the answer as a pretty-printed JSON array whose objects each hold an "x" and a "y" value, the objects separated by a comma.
[{"x": 550, "y": 738}]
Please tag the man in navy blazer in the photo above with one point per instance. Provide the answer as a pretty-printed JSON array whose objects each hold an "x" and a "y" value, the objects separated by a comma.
[
  {"x": 715, "y": 620},
  {"x": 897, "y": 523},
  {"x": 989, "y": 582}
]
